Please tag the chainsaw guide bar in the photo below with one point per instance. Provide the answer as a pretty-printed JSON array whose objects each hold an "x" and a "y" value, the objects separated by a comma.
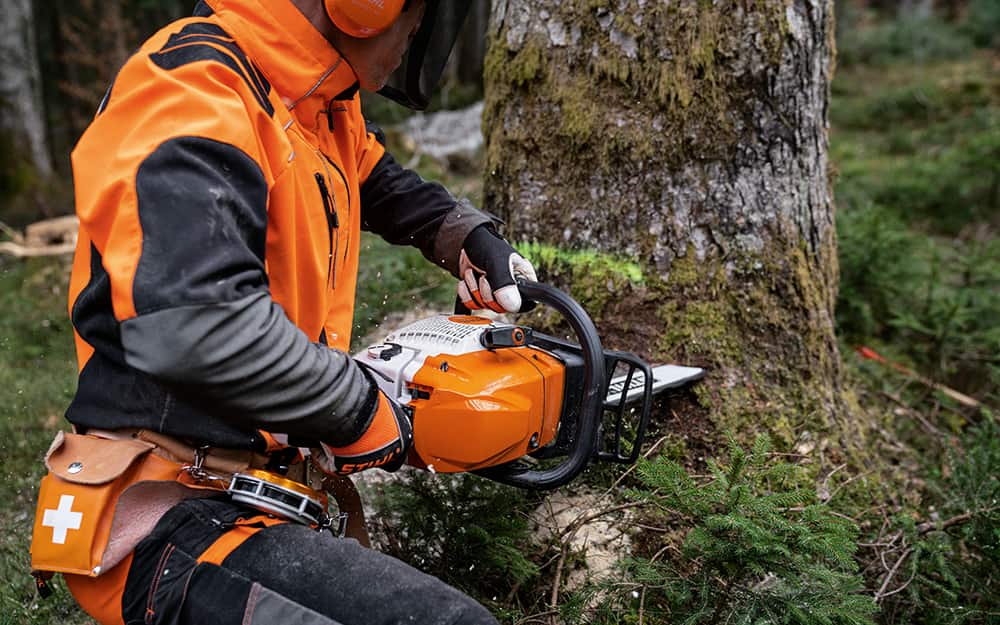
[{"x": 665, "y": 377}]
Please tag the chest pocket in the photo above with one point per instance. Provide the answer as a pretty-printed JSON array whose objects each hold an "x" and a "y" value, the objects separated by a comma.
[
  {"x": 322, "y": 216},
  {"x": 314, "y": 225},
  {"x": 335, "y": 199}
]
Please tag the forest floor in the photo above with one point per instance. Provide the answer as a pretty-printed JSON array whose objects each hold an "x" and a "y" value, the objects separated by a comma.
[{"x": 916, "y": 147}]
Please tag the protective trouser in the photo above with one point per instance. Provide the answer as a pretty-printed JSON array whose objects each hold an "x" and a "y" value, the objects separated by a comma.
[{"x": 213, "y": 562}]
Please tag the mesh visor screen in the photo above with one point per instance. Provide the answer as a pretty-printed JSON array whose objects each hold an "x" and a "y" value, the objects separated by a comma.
[{"x": 414, "y": 82}]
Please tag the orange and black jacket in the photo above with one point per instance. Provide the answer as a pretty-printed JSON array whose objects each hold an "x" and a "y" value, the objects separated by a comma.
[{"x": 221, "y": 190}]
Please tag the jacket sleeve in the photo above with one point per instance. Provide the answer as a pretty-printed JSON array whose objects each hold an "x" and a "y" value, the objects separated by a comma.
[
  {"x": 403, "y": 208},
  {"x": 173, "y": 193}
]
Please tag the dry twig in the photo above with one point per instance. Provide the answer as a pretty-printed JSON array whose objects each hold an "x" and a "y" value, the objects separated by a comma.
[
  {"x": 556, "y": 583},
  {"x": 892, "y": 572},
  {"x": 928, "y": 526}
]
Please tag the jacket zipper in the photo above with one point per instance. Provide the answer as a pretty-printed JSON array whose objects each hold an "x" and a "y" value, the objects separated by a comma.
[
  {"x": 343, "y": 178},
  {"x": 333, "y": 224}
]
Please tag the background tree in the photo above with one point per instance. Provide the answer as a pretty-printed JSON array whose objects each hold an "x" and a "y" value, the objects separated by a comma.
[
  {"x": 85, "y": 43},
  {"x": 23, "y": 113},
  {"x": 690, "y": 138}
]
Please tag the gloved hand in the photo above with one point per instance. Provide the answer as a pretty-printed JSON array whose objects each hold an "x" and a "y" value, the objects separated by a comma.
[
  {"x": 489, "y": 268},
  {"x": 383, "y": 445}
]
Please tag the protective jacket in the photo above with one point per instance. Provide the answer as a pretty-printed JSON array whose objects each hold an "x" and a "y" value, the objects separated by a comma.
[{"x": 221, "y": 190}]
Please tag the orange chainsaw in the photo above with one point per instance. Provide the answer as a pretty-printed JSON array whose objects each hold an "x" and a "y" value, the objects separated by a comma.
[{"x": 518, "y": 406}]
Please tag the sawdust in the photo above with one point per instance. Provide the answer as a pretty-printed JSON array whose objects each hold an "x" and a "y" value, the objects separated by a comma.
[{"x": 598, "y": 543}]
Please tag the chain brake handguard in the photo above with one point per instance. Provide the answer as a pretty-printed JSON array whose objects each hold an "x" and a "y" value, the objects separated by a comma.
[{"x": 610, "y": 443}]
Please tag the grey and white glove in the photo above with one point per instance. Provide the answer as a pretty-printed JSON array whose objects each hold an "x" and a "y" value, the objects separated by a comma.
[{"x": 489, "y": 269}]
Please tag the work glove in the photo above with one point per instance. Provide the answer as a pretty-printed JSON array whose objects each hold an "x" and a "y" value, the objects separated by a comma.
[
  {"x": 488, "y": 269},
  {"x": 384, "y": 444}
]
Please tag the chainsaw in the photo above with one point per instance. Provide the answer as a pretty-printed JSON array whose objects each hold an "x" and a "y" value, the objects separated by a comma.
[{"x": 517, "y": 406}]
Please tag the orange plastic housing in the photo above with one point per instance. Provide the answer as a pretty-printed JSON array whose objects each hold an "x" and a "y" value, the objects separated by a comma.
[{"x": 484, "y": 408}]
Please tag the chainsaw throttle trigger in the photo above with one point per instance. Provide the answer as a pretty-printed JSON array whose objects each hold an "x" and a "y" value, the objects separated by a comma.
[{"x": 505, "y": 336}]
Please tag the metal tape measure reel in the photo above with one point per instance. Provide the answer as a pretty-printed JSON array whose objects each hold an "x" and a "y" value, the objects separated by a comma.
[{"x": 280, "y": 496}]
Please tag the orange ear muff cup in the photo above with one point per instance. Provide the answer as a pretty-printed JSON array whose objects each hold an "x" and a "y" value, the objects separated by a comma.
[{"x": 363, "y": 18}]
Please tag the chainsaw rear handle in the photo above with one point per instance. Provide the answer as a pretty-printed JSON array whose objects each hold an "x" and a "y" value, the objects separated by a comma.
[{"x": 591, "y": 403}]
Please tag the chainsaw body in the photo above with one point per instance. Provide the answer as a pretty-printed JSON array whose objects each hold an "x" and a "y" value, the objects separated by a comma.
[
  {"x": 472, "y": 407},
  {"x": 501, "y": 400}
]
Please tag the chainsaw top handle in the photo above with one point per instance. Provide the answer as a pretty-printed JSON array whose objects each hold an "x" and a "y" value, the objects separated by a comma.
[{"x": 591, "y": 403}]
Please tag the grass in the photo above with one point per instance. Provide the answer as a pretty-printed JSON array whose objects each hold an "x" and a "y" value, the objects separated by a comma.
[{"x": 37, "y": 380}]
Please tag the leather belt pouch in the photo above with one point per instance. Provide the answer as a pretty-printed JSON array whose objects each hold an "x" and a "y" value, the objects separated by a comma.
[{"x": 78, "y": 497}]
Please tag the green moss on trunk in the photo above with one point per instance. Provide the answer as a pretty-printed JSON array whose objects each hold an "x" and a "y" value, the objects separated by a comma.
[
  {"x": 680, "y": 66},
  {"x": 770, "y": 365},
  {"x": 610, "y": 136}
]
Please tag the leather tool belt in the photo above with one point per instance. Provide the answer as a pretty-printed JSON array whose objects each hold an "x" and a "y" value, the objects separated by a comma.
[{"x": 105, "y": 492}]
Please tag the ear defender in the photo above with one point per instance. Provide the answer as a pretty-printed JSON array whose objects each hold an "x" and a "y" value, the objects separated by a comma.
[{"x": 363, "y": 18}]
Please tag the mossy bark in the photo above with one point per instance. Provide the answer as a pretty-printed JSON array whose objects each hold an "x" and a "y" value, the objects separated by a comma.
[{"x": 689, "y": 137}]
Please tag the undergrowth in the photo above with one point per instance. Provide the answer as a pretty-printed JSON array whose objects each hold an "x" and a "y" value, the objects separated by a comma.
[
  {"x": 932, "y": 553},
  {"x": 916, "y": 142},
  {"x": 472, "y": 533},
  {"x": 757, "y": 547},
  {"x": 918, "y": 194}
]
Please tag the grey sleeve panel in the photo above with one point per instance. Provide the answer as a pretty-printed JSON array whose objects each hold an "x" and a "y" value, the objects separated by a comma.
[
  {"x": 457, "y": 225},
  {"x": 250, "y": 362}
]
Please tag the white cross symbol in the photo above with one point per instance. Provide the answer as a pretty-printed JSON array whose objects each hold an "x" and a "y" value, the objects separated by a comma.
[{"x": 61, "y": 519}]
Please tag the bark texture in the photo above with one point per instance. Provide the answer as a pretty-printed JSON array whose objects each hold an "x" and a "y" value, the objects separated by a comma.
[
  {"x": 689, "y": 138},
  {"x": 23, "y": 116}
]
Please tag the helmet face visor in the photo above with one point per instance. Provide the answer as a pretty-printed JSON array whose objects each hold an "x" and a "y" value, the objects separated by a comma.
[{"x": 413, "y": 84}]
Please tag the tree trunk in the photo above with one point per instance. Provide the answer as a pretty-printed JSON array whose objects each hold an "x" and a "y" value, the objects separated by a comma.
[
  {"x": 689, "y": 138},
  {"x": 23, "y": 115}
]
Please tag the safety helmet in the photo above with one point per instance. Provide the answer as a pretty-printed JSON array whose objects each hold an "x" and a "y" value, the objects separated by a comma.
[{"x": 418, "y": 75}]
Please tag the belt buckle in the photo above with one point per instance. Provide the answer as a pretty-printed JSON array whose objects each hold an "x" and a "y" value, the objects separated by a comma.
[{"x": 328, "y": 522}]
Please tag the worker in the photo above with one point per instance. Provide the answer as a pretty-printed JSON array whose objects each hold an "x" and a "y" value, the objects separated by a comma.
[{"x": 221, "y": 189}]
